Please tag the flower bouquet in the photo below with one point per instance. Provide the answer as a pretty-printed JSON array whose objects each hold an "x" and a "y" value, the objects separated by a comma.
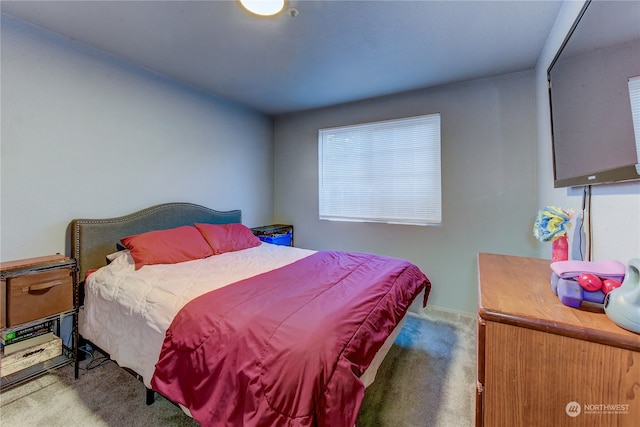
[{"x": 552, "y": 224}]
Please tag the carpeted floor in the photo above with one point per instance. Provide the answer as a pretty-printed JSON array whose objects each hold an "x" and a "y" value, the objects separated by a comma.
[{"x": 427, "y": 379}]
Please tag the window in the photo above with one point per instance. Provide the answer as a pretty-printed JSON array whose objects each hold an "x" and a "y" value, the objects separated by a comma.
[
  {"x": 634, "y": 95},
  {"x": 382, "y": 172}
]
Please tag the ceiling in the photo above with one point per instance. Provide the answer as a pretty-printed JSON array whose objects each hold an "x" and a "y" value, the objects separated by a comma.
[{"x": 331, "y": 52}]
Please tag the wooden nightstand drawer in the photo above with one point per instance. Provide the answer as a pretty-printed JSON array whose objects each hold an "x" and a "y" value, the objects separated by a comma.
[
  {"x": 38, "y": 295},
  {"x": 41, "y": 299}
]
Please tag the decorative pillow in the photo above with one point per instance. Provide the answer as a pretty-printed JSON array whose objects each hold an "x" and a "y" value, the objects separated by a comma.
[
  {"x": 167, "y": 246},
  {"x": 228, "y": 237}
]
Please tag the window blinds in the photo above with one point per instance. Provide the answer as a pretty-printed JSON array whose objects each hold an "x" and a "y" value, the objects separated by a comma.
[
  {"x": 634, "y": 95},
  {"x": 382, "y": 172}
]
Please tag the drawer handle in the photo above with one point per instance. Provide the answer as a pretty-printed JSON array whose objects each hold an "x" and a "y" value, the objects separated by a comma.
[{"x": 41, "y": 286}]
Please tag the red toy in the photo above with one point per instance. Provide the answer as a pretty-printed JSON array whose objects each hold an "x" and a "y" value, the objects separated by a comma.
[
  {"x": 610, "y": 284},
  {"x": 589, "y": 282}
]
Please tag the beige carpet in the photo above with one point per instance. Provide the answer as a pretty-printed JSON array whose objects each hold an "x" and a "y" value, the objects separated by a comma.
[{"x": 427, "y": 379}]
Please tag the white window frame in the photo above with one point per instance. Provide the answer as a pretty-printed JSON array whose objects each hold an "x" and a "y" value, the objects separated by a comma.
[{"x": 387, "y": 171}]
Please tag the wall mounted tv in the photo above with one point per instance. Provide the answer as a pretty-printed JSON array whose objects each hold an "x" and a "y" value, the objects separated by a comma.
[{"x": 592, "y": 124}]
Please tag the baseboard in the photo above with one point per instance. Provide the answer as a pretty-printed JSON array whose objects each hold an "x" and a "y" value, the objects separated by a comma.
[{"x": 450, "y": 310}]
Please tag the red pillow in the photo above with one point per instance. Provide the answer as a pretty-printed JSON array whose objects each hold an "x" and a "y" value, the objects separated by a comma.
[
  {"x": 228, "y": 237},
  {"x": 167, "y": 246}
]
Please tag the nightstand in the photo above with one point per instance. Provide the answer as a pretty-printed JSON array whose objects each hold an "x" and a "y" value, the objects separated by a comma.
[
  {"x": 278, "y": 234},
  {"x": 38, "y": 296}
]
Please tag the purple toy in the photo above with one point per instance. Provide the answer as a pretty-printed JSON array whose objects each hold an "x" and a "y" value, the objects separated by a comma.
[
  {"x": 571, "y": 294},
  {"x": 603, "y": 269},
  {"x": 565, "y": 276}
]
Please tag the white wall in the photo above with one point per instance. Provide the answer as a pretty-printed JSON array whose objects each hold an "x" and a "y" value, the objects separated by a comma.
[
  {"x": 615, "y": 207},
  {"x": 85, "y": 135},
  {"x": 489, "y": 183}
]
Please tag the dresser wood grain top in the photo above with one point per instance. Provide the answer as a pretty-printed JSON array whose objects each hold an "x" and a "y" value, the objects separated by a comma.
[
  {"x": 517, "y": 291},
  {"x": 8, "y": 265}
]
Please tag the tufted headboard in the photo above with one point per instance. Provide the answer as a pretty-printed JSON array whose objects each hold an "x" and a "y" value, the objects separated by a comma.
[{"x": 93, "y": 239}]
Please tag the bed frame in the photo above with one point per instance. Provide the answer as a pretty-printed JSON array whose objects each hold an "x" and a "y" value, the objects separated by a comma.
[{"x": 93, "y": 239}]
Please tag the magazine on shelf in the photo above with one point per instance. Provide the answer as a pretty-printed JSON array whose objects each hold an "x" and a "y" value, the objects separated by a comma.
[
  {"x": 12, "y": 337},
  {"x": 31, "y": 342}
]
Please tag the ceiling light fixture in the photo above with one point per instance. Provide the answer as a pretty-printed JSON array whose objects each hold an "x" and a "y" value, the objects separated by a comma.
[{"x": 263, "y": 7}]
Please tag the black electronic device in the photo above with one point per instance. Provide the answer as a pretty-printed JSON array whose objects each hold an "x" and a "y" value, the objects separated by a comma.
[{"x": 589, "y": 92}]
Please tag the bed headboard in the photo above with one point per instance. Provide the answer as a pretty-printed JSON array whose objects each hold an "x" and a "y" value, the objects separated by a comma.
[{"x": 93, "y": 239}]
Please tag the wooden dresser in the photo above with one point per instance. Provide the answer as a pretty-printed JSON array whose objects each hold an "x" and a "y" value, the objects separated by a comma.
[{"x": 541, "y": 363}]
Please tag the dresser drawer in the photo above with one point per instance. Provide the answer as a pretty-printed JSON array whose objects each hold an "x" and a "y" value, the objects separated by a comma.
[{"x": 38, "y": 295}]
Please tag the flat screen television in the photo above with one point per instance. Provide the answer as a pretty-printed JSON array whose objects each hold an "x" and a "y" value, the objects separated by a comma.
[{"x": 592, "y": 125}]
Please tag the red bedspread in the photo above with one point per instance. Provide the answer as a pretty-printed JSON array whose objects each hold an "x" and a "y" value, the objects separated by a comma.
[{"x": 286, "y": 348}]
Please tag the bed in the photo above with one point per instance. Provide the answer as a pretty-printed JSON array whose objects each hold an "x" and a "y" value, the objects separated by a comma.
[{"x": 240, "y": 332}]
